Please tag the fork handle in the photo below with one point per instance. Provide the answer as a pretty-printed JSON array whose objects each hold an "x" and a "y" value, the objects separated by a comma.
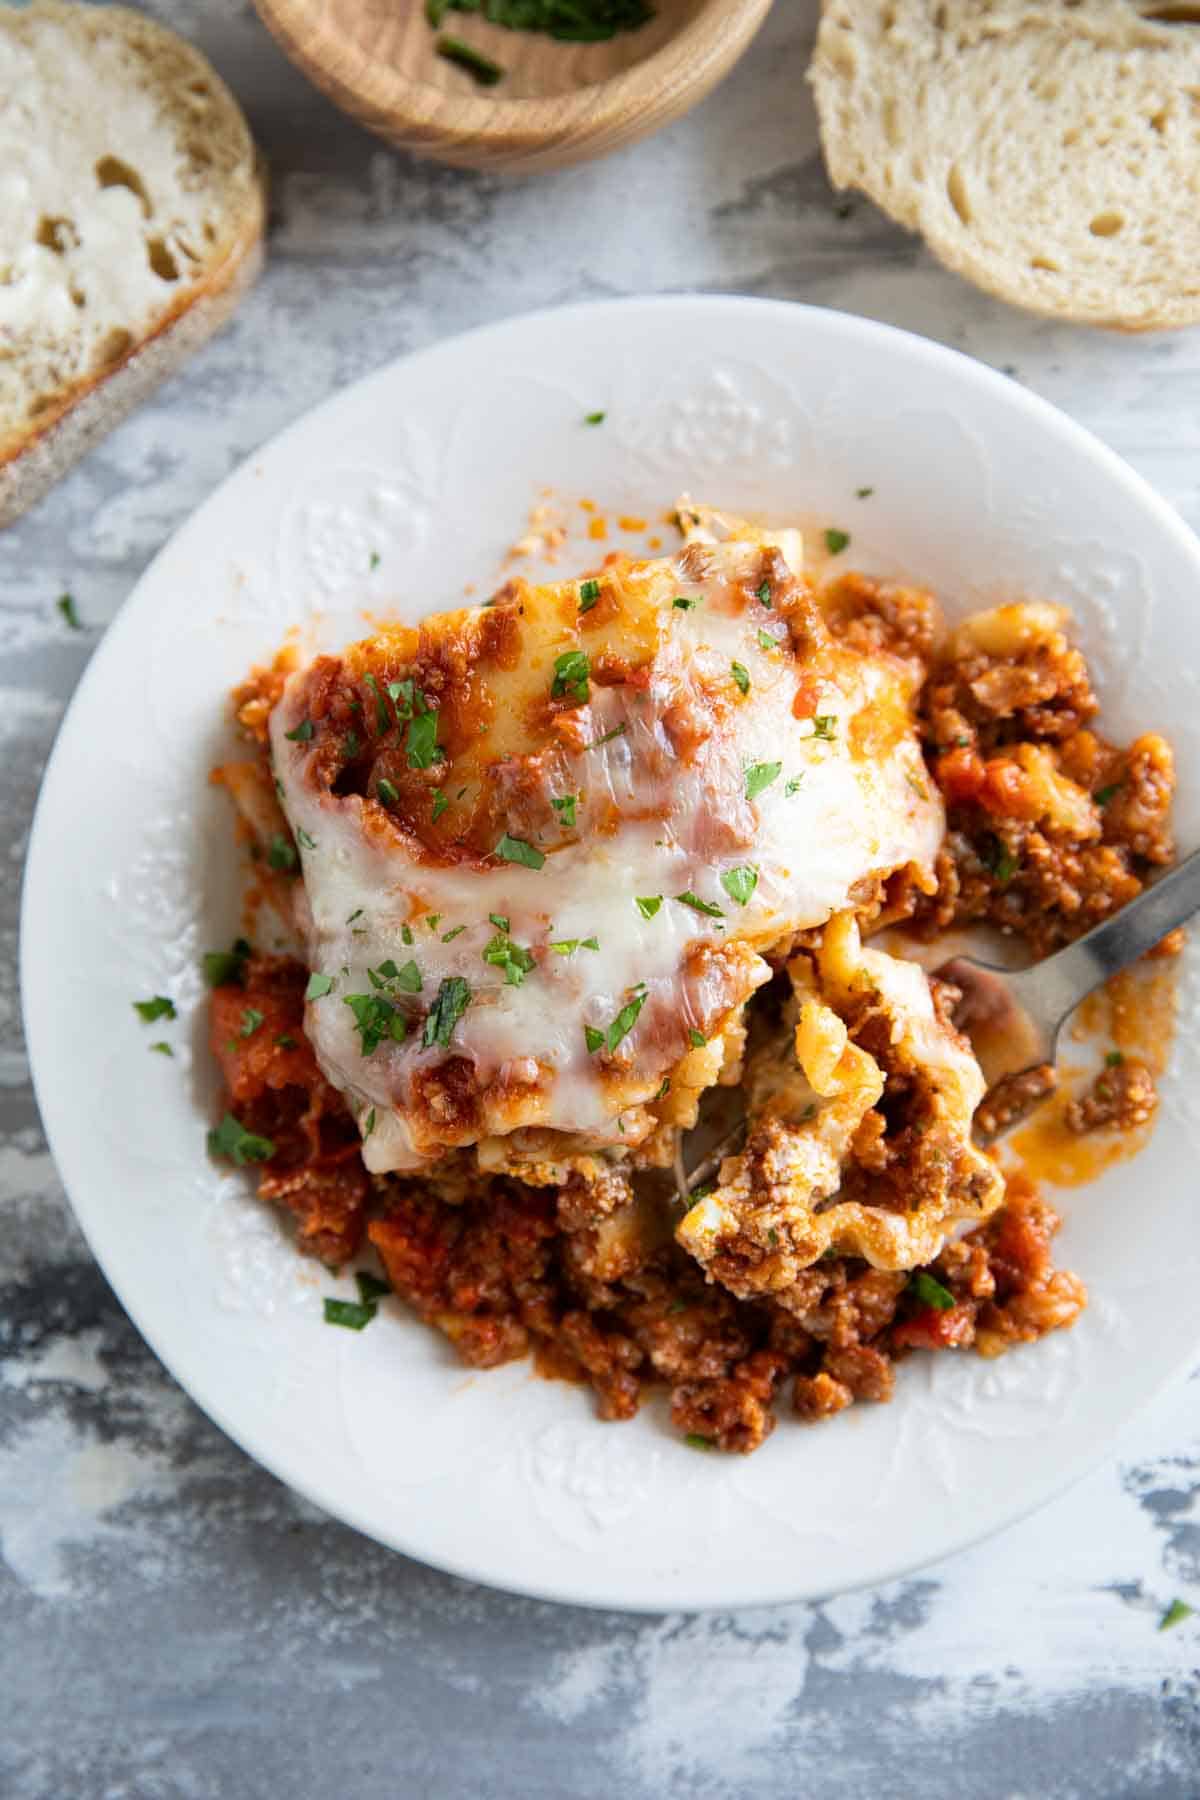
[{"x": 1052, "y": 989}]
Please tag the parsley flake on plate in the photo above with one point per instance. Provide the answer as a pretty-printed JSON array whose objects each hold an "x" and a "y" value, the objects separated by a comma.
[
  {"x": 571, "y": 671},
  {"x": 836, "y": 541},
  {"x": 825, "y": 727},
  {"x": 741, "y": 674},
  {"x": 696, "y": 1038},
  {"x": 687, "y": 898},
  {"x": 514, "y": 959},
  {"x": 302, "y": 733},
  {"x": 422, "y": 745},
  {"x": 594, "y": 418},
  {"x": 162, "y": 1048},
  {"x": 318, "y": 986},
  {"x": 740, "y": 883},
  {"x": 157, "y": 1008},
  {"x": 354, "y": 1315},
  {"x": 225, "y": 968},
  {"x": 931, "y": 1292},
  {"x": 66, "y": 606},
  {"x": 282, "y": 854},
  {"x": 479, "y": 67},
  {"x": 452, "y": 1001},
  {"x": 440, "y": 805},
  {"x": 763, "y": 594},
  {"x": 230, "y": 1138},
  {"x": 376, "y": 1018},
  {"x": 681, "y": 603},
  {"x": 589, "y": 593},
  {"x": 516, "y": 850},
  {"x": 251, "y": 1020},
  {"x": 565, "y": 805},
  {"x": 648, "y": 904},
  {"x": 760, "y": 776},
  {"x": 620, "y": 1028}
]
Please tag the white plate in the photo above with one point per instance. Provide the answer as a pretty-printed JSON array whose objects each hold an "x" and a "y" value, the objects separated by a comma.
[{"x": 430, "y": 465}]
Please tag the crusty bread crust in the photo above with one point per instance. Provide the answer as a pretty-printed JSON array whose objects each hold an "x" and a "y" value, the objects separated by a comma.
[
  {"x": 40, "y": 452},
  {"x": 1049, "y": 155},
  {"x": 94, "y": 408}
]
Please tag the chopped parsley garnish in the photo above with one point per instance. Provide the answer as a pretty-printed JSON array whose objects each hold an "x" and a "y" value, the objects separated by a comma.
[
  {"x": 741, "y": 675},
  {"x": 620, "y": 1028},
  {"x": 589, "y": 593},
  {"x": 374, "y": 562},
  {"x": 432, "y": 921},
  {"x": 158, "y": 1008},
  {"x": 499, "y": 921},
  {"x": 282, "y": 853},
  {"x": 767, "y": 642},
  {"x": 682, "y": 604},
  {"x": 648, "y": 904},
  {"x": 763, "y": 593},
  {"x": 163, "y": 1049},
  {"x": 864, "y": 493},
  {"x": 422, "y": 745},
  {"x": 402, "y": 695},
  {"x": 514, "y": 959},
  {"x": 369, "y": 1123},
  {"x": 353, "y": 1314},
  {"x": 374, "y": 1019},
  {"x": 1114, "y": 1059},
  {"x": 66, "y": 606},
  {"x": 453, "y": 999},
  {"x": 302, "y": 733},
  {"x": 225, "y": 968},
  {"x": 230, "y": 1138},
  {"x": 285, "y": 1041},
  {"x": 825, "y": 727},
  {"x": 1103, "y": 795},
  {"x": 698, "y": 905},
  {"x": 383, "y": 718},
  {"x": 516, "y": 850},
  {"x": 665, "y": 1089},
  {"x": 760, "y": 776},
  {"x": 318, "y": 987},
  {"x": 739, "y": 884},
  {"x": 996, "y": 856},
  {"x": 369, "y": 1286},
  {"x": 351, "y": 745},
  {"x": 836, "y": 541},
  {"x": 616, "y": 732},
  {"x": 596, "y": 418},
  {"x": 571, "y": 671},
  {"x": 387, "y": 791},
  {"x": 440, "y": 805},
  {"x": 568, "y": 946},
  {"x": 408, "y": 978},
  {"x": 406, "y": 936},
  {"x": 696, "y": 1038},
  {"x": 481, "y": 68},
  {"x": 571, "y": 21},
  {"x": 448, "y": 937},
  {"x": 1176, "y": 1613},
  {"x": 694, "y": 1441},
  {"x": 793, "y": 786},
  {"x": 304, "y": 840},
  {"x": 564, "y": 805},
  {"x": 251, "y": 1020},
  {"x": 930, "y": 1292}
]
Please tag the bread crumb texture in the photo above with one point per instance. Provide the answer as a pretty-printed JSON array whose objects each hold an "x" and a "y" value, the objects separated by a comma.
[
  {"x": 1049, "y": 153},
  {"x": 127, "y": 187}
]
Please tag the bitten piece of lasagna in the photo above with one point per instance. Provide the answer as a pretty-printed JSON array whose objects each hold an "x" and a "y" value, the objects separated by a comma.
[{"x": 549, "y": 845}]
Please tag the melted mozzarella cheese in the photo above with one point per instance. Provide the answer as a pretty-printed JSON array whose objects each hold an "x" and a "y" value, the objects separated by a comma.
[{"x": 794, "y": 791}]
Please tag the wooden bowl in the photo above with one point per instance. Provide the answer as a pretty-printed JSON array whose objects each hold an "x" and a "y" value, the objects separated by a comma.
[{"x": 557, "y": 104}]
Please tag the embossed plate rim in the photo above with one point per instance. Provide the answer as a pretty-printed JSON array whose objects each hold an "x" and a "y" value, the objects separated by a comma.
[{"x": 733, "y": 1511}]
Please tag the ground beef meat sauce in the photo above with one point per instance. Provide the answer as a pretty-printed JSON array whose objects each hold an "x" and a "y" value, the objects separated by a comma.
[{"x": 1049, "y": 830}]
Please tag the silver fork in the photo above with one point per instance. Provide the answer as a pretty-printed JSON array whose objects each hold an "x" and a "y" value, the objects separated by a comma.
[{"x": 1015, "y": 1016}]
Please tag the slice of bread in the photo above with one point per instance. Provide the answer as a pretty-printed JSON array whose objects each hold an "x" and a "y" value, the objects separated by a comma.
[
  {"x": 1048, "y": 151},
  {"x": 131, "y": 221}
]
